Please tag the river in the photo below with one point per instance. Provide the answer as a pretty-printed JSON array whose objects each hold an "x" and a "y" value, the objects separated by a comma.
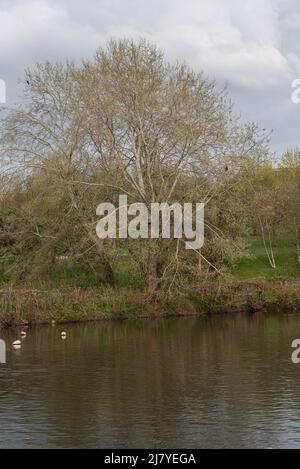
[{"x": 225, "y": 381}]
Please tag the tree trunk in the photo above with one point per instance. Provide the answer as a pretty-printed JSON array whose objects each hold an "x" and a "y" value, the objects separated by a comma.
[
  {"x": 152, "y": 267},
  {"x": 200, "y": 262},
  {"x": 108, "y": 271}
]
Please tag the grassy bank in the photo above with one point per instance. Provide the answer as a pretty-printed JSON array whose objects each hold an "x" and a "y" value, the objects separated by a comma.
[
  {"x": 256, "y": 264},
  {"x": 21, "y": 306},
  {"x": 73, "y": 294}
]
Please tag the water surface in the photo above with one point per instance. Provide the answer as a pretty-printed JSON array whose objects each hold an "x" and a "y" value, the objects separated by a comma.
[{"x": 202, "y": 382}]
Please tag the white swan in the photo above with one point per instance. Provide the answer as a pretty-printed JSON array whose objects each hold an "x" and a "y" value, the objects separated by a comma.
[{"x": 16, "y": 344}]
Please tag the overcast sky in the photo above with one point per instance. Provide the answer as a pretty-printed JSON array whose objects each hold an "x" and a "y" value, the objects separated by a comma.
[{"x": 253, "y": 45}]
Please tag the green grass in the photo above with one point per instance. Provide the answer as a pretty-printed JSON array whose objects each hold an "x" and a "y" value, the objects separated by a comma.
[
  {"x": 257, "y": 265},
  {"x": 129, "y": 276},
  {"x": 127, "y": 273}
]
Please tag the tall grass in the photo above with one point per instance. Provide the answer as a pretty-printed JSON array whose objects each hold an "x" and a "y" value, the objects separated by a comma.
[{"x": 19, "y": 306}]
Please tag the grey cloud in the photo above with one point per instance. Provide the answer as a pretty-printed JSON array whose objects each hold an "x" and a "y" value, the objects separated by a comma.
[{"x": 252, "y": 45}]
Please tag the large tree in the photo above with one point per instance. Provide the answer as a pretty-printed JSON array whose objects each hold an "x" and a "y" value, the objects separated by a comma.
[{"x": 128, "y": 122}]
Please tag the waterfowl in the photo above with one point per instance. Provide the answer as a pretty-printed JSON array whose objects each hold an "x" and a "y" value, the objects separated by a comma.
[
  {"x": 63, "y": 335},
  {"x": 16, "y": 344},
  {"x": 23, "y": 334}
]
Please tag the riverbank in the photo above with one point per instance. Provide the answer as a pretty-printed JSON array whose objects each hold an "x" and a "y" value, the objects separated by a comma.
[{"x": 35, "y": 306}]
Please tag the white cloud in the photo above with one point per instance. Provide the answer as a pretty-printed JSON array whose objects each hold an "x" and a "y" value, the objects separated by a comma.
[
  {"x": 232, "y": 40},
  {"x": 35, "y": 27},
  {"x": 251, "y": 44}
]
